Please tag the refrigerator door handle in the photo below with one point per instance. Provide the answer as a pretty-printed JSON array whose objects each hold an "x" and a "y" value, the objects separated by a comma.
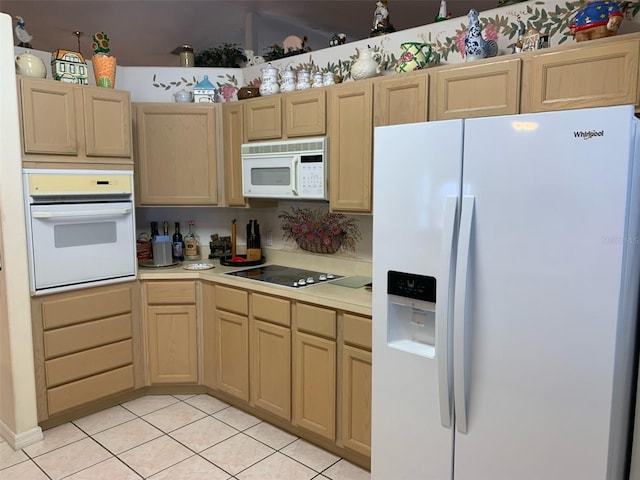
[
  {"x": 444, "y": 310},
  {"x": 460, "y": 316}
]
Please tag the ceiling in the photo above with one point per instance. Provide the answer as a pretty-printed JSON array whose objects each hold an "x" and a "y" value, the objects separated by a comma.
[{"x": 144, "y": 32}]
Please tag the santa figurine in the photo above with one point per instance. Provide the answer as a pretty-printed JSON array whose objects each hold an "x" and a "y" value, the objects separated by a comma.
[{"x": 381, "y": 22}]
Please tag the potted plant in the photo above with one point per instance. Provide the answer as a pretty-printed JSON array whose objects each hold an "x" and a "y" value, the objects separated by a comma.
[
  {"x": 225, "y": 55},
  {"x": 319, "y": 231}
]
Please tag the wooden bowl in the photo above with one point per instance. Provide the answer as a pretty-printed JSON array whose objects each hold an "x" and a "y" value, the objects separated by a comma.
[{"x": 248, "y": 92}]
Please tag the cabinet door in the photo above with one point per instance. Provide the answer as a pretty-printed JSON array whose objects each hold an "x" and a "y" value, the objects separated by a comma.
[
  {"x": 356, "y": 399},
  {"x": 172, "y": 342},
  {"x": 232, "y": 121},
  {"x": 271, "y": 368},
  {"x": 315, "y": 384},
  {"x": 479, "y": 90},
  {"x": 400, "y": 99},
  {"x": 305, "y": 113},
  {"x": 107, "y": 122},
  {"x": 350, "y": 114},
  {"x": 263, "y": 118},
  {"x": 48, "y": 117},
  {"x": 232, "y": 345},
  {"x": 589, "y": 76},
  {"x": 176, "y": 152}
]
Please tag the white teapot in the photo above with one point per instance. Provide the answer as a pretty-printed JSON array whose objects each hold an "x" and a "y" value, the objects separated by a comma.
[
  {"x": 183, "y": 96},
  {"x": 365, "y": 65},
  {"x": 30, "y": 65}
]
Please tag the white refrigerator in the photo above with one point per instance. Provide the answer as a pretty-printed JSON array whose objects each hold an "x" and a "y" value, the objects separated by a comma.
[{"x": 506, "y": 263}]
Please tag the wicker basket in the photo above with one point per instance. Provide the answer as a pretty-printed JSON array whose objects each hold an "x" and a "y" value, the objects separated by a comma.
[{"x": 316, "y": 245}]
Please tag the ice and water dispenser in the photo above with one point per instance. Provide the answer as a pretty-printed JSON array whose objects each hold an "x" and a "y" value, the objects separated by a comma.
[{"x": 411, "y": 313}]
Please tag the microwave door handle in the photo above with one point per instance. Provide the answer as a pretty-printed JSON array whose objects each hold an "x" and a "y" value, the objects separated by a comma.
[
  {"x": 296, "y": 175},
  {"x": 82, "y": 213}
]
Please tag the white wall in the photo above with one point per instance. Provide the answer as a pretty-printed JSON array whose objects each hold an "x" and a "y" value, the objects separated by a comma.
[{"x": 18, "y": 414}]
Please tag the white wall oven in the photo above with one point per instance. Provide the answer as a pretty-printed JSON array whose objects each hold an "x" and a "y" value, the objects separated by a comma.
[{"x": 80, "y": 228}]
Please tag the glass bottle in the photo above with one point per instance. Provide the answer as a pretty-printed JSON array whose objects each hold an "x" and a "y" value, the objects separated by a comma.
[
  {"x": 178, "y": 244},
  {"x": 165, "y": 228},
  {"x": 154, "y": 234},
  {"x": 191, "y": 243}
]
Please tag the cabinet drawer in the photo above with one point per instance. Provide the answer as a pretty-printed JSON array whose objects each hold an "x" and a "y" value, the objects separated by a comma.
[
  {"x": 320, "y": 321},
  {"x": 171, "y": 293},
  {"x": 83, "y": 364},
  {"x": 83, "y": 308},
  {"x": 76, "y": 338},
  {"x": 232, "y": 300},
  {"x": 357, "y": 330},
  {"x": 271, "y": 309},
  {"x": 89, "y": 389}
]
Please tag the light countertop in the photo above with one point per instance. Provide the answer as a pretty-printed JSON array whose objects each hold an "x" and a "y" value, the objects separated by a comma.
[{"x": 355, "y": 300}]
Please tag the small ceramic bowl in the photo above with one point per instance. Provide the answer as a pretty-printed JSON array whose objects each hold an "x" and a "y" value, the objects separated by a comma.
[{"x": 248, "y": 92}]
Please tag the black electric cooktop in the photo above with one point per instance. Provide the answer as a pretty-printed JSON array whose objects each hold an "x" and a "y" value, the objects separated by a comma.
[{"x": 285, "y": 276}]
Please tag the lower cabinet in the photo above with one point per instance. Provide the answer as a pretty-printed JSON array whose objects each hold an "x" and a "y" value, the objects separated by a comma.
[
  {"x": 356, "y": 383},
  {"x": 172, "y": 344},
  {"x": 83, "y": 347},
  {"x": 315, "y": 370},
  {"x": 270, "y": 354},
  {"x": 232, "y": 341}
]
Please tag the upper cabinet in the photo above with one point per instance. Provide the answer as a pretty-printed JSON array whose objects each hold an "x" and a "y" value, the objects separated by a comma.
[
  {"x": 350, "y": 121},
  {"x": 232, "y": 132},
  {"x": 588, "y": 75},
  {"x": 295, "y": 114},
  {"x": 74, "y": 123},
  {"x": 401, "y": 99},
  {"x": 482, "y": 89},
  {"x": 176, "y": 154}
]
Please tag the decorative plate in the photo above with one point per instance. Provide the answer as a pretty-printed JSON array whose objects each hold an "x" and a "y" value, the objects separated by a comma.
[{"x": 199, "y": 266}]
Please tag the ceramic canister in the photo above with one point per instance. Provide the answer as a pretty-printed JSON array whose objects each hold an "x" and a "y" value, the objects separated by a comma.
[
  {"x": 288, "y": 81},
  {"x": 328, "y": 78},
  {"x": 303, "y": 80},
  {"x": 317, "y": 80}
]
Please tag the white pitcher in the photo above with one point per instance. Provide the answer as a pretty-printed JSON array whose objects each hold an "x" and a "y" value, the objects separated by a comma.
[
  {"x": 365, "y": 65},
  {"x": 30, "y": 65}
]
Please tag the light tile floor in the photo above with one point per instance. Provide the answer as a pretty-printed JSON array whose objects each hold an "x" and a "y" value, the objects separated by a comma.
[{"x": 172, "y": 437}]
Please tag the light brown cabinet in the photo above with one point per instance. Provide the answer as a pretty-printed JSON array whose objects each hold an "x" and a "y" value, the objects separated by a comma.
[
  {"x": 63, "y": 122},
  {"x": 483, "y": 89},
  {"x": 176, "y": 154},
  {"x": 232, "y": 341},
  {"x": 315, "y": 370},
  {"x": 589, "y": 75},
  {"x": 171, "y": 332},
  {"x": 294, "y": 114},
  {"x": 270, "y": 354},
  {"x": 83, "y": 347},
  {"x": 356, "y": 383},
  {"x": 350, "y": 121},
  {"x": 400, "y": 99},
  {"x": 232, "y": 122}
]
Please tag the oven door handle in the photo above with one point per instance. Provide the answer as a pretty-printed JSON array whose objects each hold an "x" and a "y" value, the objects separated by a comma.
[{"x": 82, "y": 213}]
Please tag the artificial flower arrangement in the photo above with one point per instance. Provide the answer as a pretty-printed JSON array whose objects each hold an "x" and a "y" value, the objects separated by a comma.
[{"x": 319, "y": 231}]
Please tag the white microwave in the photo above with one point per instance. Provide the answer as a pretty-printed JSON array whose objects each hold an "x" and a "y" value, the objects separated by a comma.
[{"x": 287, "y": 169}]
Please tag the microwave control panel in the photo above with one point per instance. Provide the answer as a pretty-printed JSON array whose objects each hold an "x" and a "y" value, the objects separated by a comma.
[{"x": 312, "y": 176}]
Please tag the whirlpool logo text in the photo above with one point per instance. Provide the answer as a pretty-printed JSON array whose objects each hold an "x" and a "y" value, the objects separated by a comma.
[{"x": 589, "y": 134}]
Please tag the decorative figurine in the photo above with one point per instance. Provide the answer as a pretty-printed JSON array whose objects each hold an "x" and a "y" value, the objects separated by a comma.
[
  {"x": 475, "y": 46},
  {"x": 204, "y": 91},
  {"x": 597, "y": 19},
  {"x": 442, "y": 13},
  {"x": 68, "y": 66},
  {"x": 22, "y": 34},
  {"x": 381, "y": 22},
  {"x": 104, "y": 65},
  {"x": 338, "y": 39}
]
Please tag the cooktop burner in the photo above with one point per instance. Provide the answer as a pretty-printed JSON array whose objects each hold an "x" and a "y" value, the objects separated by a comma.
[{"x": 285, "y": 276}]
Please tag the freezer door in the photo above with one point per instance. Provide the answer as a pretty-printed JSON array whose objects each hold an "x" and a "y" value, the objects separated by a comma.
[
  {"x": 544, "y": 384},
  {"x": 416, "y": 187}
]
